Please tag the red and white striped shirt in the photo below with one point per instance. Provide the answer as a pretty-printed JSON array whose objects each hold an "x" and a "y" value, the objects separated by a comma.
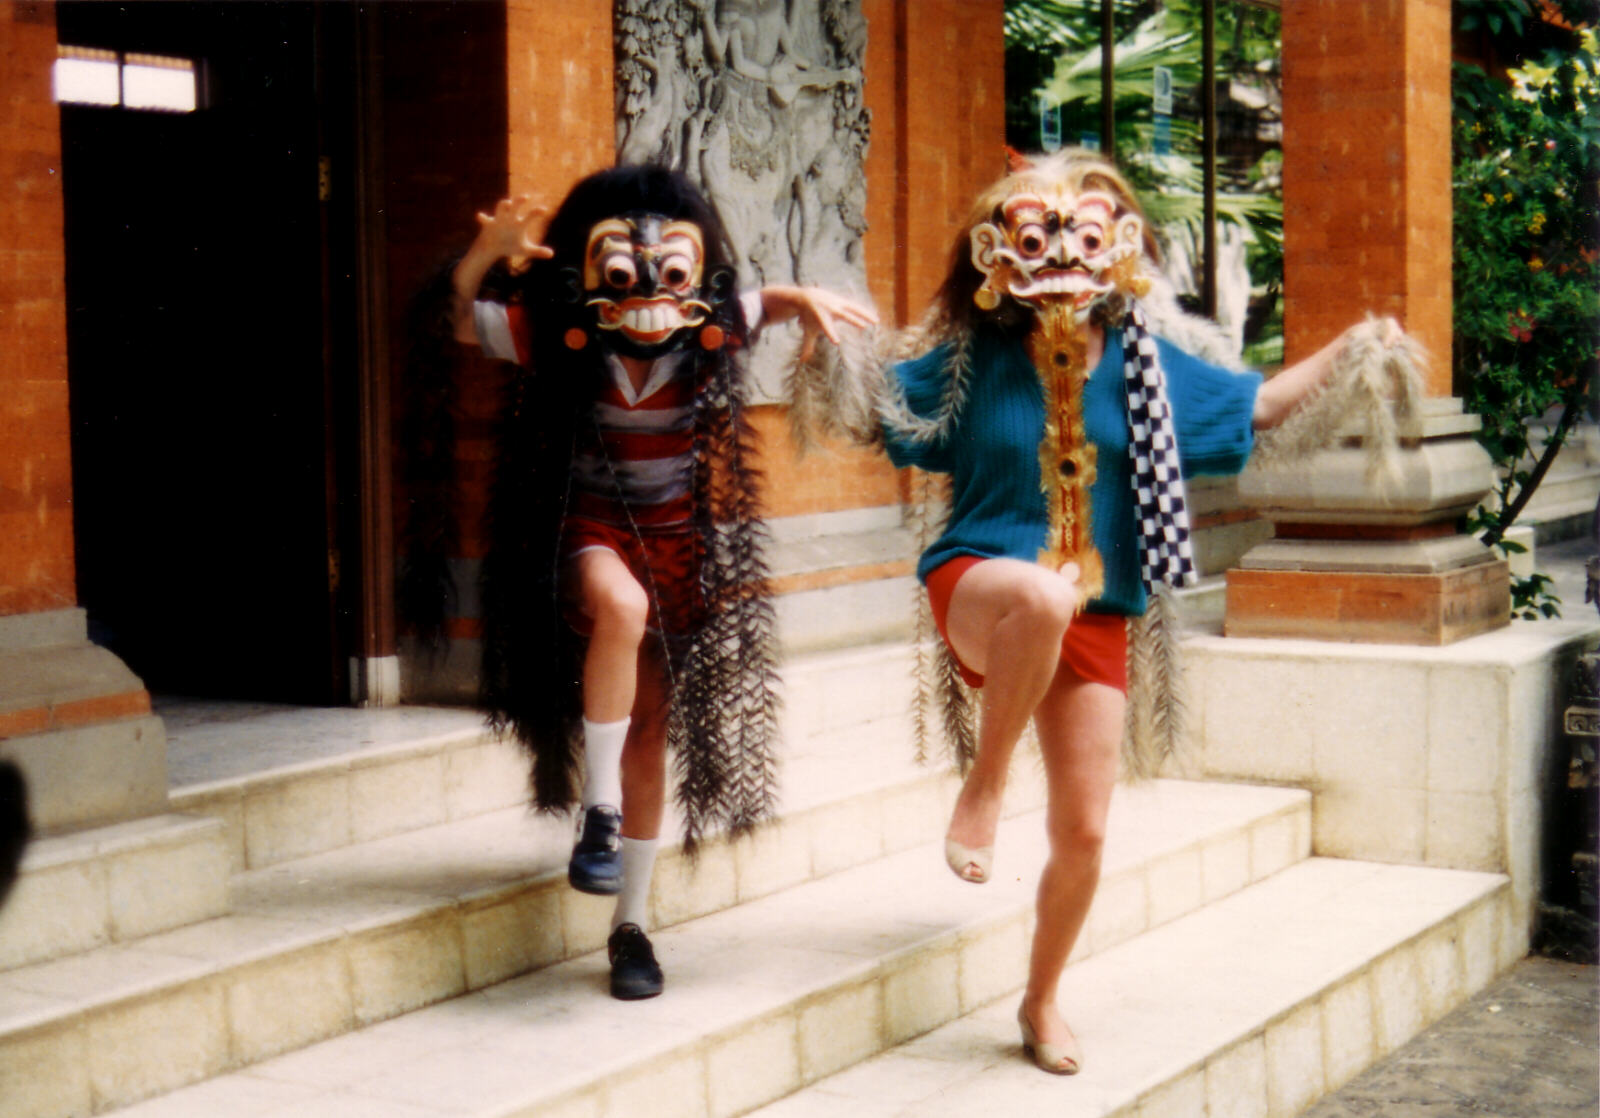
[{"x": 641, "y": 445}]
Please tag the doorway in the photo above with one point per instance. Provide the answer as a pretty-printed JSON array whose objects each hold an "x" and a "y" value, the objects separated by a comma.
[{"x": 204, "y": 294}]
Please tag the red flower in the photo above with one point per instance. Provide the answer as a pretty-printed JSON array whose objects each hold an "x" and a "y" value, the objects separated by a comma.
[{"x": 1521, "y": 325}]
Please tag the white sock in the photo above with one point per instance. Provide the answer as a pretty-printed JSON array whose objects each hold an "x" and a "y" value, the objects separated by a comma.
[
  {"x": 638, "y": 863},
  {"x": 602, "y": 763}
]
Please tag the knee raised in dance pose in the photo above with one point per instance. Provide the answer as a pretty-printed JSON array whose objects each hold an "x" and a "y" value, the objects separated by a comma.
[
  {"x": 1066, "y": 427},
  {"x": 624, "y": 589}
]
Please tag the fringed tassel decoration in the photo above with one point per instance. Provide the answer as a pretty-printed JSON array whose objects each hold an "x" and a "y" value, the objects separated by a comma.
[
  {"x": 835, "y": 392},
  {"x": 1373, "y": 383},
  {"x": 924, "y": 636},
  {"x": 937, "y": 679},
  {"x": 1157, "y": 697},
  {"x": 958, "y": 705},
  {"x": 723, "y": 723},
  {"x": 893, "y": 409}
]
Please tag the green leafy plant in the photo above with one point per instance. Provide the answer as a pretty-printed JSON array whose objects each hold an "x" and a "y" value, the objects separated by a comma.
[
  {"x": 1527, "y": 303},
  {"x": 1053, "y": 53}
]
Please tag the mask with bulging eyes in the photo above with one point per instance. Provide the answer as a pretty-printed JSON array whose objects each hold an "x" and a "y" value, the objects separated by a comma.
[
  {"x": 644, "y": 279},
  {"x": 1055, "y": 247}
]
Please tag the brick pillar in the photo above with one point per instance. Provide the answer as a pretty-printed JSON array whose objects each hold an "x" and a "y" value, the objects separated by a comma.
[
  {"x": 72, "y": 715},
  {"x": 1366, "y": 112},
  {"x": 560, "y": 104},
  {"x": 936, "y": 87},
  {"x": 36, "y": 564},
  {"x": 1366, "y": 171},
  {"x": 508, "y": 98}
]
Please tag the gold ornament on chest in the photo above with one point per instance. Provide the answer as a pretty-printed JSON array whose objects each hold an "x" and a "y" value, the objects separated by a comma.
[{"x": 1060, "y": 253}]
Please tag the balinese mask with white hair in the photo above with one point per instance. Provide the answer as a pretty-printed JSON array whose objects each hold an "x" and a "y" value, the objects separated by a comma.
[{"x": 1046, "y": 246}]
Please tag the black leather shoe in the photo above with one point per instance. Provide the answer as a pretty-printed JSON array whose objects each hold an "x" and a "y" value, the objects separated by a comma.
[
  {"x": 596, "y": 865},
  {"x": 635, "y": 973}
]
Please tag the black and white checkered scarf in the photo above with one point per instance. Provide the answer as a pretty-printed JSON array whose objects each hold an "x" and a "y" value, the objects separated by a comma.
[{"x": 1166, "y": 554}]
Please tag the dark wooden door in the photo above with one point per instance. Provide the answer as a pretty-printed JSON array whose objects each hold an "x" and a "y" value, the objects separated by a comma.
[{"x": 201, "y": 372}]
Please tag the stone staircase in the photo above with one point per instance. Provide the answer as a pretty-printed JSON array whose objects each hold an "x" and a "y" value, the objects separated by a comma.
[
  {"x": 399, "y": 940},
  {"x": 1254, "y": 1005}
]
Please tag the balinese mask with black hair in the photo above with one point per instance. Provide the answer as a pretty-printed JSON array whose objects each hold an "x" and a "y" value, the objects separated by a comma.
[
  {"x": 1046, "y": 246},
  {"x": 644, "y": 278}
]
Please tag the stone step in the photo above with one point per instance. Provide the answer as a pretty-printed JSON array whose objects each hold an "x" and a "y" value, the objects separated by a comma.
[
  {"x": 343, "y": 917},
  {"x": 776, "y": 976},
  {"x": 1254, "y": 1006},
  {"x": 113, "y": 884},
  {"x": 843, "y": 579},
  {"x": 289, "y": 782}
]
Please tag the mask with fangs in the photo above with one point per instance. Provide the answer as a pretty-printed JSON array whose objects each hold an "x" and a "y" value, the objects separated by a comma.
[
  {"x": 1046, "y": 247},
  {"x": 644, "y": 279}
]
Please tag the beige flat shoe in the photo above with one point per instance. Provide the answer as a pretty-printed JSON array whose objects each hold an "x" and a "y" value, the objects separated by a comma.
[
  {"x": 1057, "y": 1059},
  {"x": 969, "y": 863}
]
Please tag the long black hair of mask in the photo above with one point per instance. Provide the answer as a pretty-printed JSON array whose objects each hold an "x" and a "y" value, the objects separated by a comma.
[
  {"x": 550, "y": 291},
  {"x": 721, "y": 722}
]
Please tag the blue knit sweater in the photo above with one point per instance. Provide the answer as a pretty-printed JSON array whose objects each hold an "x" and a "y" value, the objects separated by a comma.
[{"x": 992, "y": 452}]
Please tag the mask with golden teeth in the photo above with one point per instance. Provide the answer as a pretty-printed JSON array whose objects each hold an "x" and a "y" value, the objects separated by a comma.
[
  {"x": 644, "y": 279},
  {"x": 1047, "y": 247}
]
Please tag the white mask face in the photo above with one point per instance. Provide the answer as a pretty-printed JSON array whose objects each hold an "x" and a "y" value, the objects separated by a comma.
[{"x": 1055, "y": 247}]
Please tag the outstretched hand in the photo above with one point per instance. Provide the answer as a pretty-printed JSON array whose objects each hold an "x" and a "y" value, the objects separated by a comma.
[
  {"x": 1392, "y": 332},
  {"x": 1282, "y": 393},
  {"x": 820, "y": 312},
  {"x": 507, "y": 233}
]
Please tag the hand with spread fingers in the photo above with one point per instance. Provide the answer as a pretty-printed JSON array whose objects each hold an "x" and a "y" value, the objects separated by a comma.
[
  {"x": 819, "y": 311},
  {"x": 505, "y": 234},
  {"x": 508, "y": 231}
]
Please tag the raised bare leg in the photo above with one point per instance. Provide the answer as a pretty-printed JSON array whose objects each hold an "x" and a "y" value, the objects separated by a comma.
[
  {"x": 1080, "y": 733},
  {"x": 1006, "y": 621}
]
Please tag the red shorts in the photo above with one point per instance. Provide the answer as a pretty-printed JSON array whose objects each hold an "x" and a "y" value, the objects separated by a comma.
[
  {"x": 666, "y": 564},
  {"x": 1095, "y": 647}
]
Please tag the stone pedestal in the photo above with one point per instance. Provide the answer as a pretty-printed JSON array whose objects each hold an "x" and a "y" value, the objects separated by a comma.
[
  {"x": 1374, "y": 560},
  {"x": 79, "y": 724},
  {"x": 1424, "y": 756}
]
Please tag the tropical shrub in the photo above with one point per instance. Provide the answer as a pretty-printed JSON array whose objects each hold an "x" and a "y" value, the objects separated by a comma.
[{"x": 1527, "y": 304}]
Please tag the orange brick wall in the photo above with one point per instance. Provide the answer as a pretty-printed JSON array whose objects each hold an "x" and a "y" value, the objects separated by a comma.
[
  {"x": 562, "y": 109},
  {"x": 36, "y": 558},
  {"x": 935, "y": 81},
  {"x": 1366, "y": 154},
  {"x": 831, "y": 478},
  {"x": 483, "y": 100}
]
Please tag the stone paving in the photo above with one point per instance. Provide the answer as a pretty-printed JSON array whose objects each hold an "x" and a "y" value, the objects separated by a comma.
[{"x": 1523, "y": 1048}]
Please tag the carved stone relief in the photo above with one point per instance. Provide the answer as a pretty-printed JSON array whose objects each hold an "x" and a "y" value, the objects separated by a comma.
[{"x": 760, "y": 102}]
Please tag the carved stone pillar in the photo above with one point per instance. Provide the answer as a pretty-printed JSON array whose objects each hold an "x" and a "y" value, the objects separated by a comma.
[{"x": 1367, "y": 229}]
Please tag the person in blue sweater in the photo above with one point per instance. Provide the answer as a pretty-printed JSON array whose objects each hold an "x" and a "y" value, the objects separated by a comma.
[{"x": 1066, "y": 428}]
